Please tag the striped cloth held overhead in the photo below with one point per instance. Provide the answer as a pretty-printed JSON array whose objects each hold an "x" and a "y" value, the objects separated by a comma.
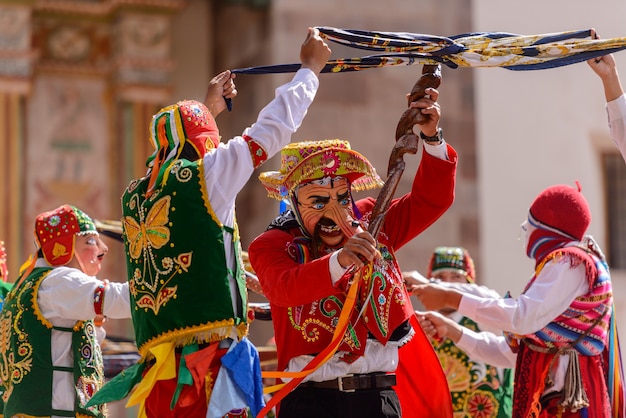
[{"x": 478, "y": 49}]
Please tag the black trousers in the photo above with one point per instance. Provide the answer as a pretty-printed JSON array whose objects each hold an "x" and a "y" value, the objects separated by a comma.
[{"x": 306, "y": 402}]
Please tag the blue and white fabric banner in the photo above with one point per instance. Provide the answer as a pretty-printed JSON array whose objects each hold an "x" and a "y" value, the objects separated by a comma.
[{"x": 478, "y": 49}]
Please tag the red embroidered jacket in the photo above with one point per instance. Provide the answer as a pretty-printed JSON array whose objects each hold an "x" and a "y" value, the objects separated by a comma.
[{"x": 305, "y": 305}]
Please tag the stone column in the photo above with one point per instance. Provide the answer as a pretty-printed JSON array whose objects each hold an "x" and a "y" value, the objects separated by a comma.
[{"x": 16, "y": 68}]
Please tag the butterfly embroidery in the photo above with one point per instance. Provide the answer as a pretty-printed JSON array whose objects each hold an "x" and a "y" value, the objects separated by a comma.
[{"x": 152, "y": 231}]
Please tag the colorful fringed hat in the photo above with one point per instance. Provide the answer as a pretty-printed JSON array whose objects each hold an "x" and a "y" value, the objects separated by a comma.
[
  {"x": 173, "y": 126},
  {"x": 310, "y": 160},
  {"x": 456, "y": 259},
  {"x": 55, "y": 232}
]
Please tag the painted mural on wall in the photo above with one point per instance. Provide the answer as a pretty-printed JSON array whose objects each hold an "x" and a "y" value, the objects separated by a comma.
[{"x": 67, "y": 143}]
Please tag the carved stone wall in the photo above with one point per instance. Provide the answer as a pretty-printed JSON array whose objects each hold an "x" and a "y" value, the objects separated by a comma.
[{"x": 76, "y": 79}]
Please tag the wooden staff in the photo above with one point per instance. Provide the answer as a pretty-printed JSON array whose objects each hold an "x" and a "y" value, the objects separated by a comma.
[{"x": 406, "y": 142}]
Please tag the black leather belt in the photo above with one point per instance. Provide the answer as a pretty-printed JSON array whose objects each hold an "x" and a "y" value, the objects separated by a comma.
[{"x": 354, "y": 382}]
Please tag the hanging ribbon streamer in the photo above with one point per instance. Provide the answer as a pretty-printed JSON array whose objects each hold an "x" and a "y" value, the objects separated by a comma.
[
  {"x": 478, "y": 49},
  {"x": 319, "y": 360},
  {"x": 616, "y": 371}
]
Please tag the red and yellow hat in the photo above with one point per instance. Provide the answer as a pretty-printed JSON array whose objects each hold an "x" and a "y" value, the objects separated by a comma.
[
  {"x": 301, "y": 162},
  {"x": 56, "y": 230}
]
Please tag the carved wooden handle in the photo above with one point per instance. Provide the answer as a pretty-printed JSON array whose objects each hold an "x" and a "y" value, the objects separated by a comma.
[
  {"x": 406, "y": 142},
  {"x": 431, "y": 78}
]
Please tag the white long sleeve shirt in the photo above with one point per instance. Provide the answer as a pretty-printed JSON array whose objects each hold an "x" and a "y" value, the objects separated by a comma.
[
  {"x": 553, "y": 291},
  {"x": 228, "y": 168},
  {"x": 616, "y": 111}
]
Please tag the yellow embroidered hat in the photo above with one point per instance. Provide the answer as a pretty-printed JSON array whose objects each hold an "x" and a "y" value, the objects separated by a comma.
[
  {"x": 55, "y": 232},
  {"x": 301, "y": 162}
]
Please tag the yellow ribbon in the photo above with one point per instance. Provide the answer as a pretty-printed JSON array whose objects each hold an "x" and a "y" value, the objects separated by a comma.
[{"x": 164, "y": 368}]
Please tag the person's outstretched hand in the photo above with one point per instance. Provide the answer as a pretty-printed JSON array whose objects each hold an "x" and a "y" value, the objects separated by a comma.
[
  {"x": 314, "y": 52},
  {"x": 606, "y": 68},
  {"x": 439, "y": 327},
  {"x": 220, "y": 87},
  {"x": 435, "y": 297}
]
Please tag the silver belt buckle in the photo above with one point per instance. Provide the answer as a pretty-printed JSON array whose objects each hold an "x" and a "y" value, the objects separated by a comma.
[{"x": 340, "y": 384}]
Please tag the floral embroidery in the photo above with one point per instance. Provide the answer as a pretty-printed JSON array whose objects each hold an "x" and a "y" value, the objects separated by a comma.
[
  {"x": 54, "y": 220},
  {"x": 477, "y": 389},
  {"x": 14, "y": 366},
  {"x": 482, "y": 404},
  {"x": 183, "y": 175},
  {"x": 86, "y": 387},
  {"x": 331, "y": 163}
]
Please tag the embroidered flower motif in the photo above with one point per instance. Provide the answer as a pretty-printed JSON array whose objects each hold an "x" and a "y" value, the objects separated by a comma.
[
  {"x": 183, "y": 260},
  {"x": 167, "y": 263},
  {"x": 482, "y": 404},
  {"x": 289, "y": 162},
  {"x": 331, "y": 163},
  {"x": 54, "y": 220},
  {"x": 147, "y": 301},
  {"x": 381, "y": 299}
]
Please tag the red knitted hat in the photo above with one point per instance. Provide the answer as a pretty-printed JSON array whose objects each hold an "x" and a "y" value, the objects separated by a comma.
[{"x": 563, "y": 208}]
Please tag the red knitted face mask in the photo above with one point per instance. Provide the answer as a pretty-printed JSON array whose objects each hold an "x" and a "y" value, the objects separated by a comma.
[{"x": 542, "y": 239}]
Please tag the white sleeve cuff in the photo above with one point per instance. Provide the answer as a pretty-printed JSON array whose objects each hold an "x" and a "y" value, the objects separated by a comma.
[
  {"x": 439, "y": 150},
  {"x": 336, "y": 271}
]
